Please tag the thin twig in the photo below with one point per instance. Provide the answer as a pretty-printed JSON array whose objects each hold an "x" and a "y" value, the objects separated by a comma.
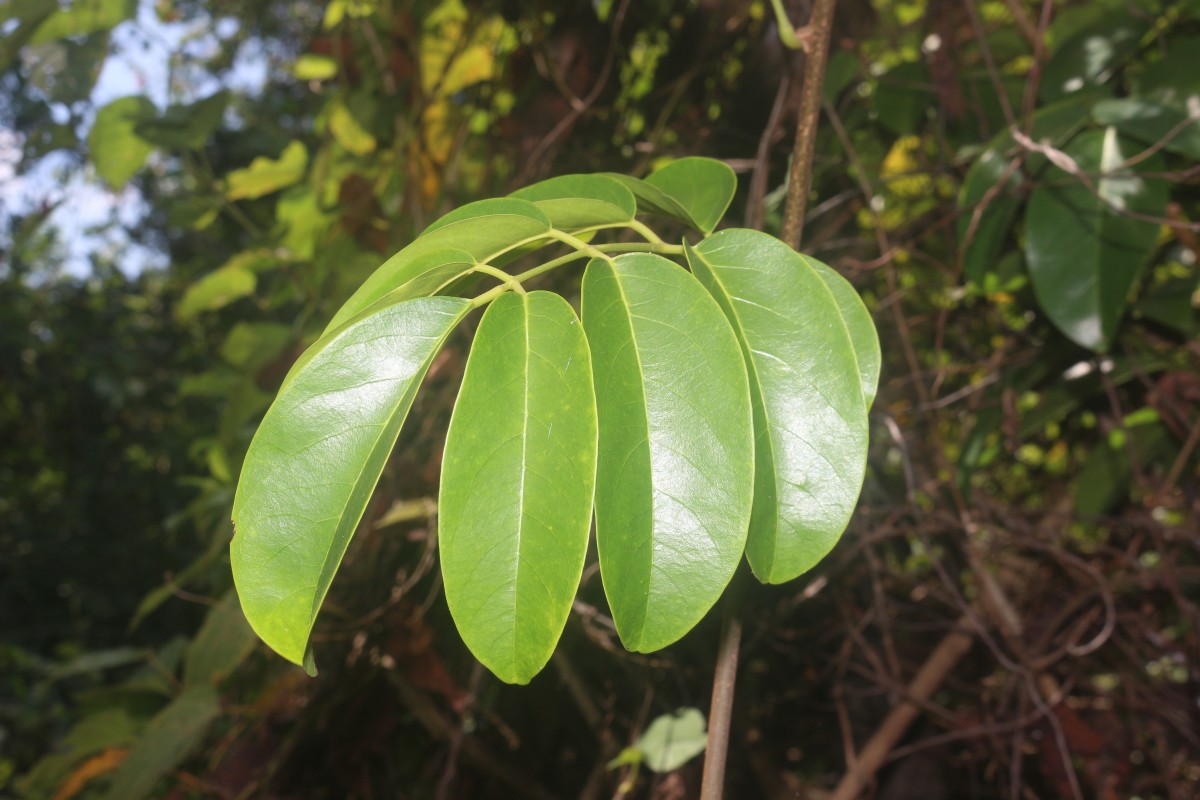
[
  {"x": 811, "y": 93},
  {"x": 931, "y": 675},
  {"x": 721, "y": 710}
]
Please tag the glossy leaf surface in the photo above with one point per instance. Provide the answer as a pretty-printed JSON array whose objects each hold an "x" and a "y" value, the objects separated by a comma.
[
  {"x": 810, "y": 413},
  {"x": 480, "y": 230},
  {"x": 316, "y": 458},
  {"x": 1084, "y": 254},
  {"x": 861, "y": 327},
  {"x": 704, "y": 187},
  {"x": 675, "y": 468},
  {"x": 693, "y": 190},
  {"x": 1055, "y": 125},
  {"x": 581, "y": 201},
  {"x": 517, "y": 478}
]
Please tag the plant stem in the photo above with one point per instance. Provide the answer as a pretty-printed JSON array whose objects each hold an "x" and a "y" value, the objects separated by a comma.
[
  {"x": 811, "y": 92},
  {"x": 799, "y": 178},
  {"x": 721, "y": 708}
]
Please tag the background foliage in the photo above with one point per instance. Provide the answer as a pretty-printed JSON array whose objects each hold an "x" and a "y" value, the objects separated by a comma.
[{"x": 1012, "y": 186}]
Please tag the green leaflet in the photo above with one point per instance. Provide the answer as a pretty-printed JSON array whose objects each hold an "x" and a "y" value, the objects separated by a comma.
[
  {"x": 1053, "y": 124},
  {"x": 317, "y": 456},
  {"x": 810, "y": 414},
  {"x": 573, "y": 202},
  {"x": 1083, "y": 254},
  {"x": 704, "y": 187},
  {"x": 994, "y": 223},
  {"x": 693, "y": 190},
  {"x": 517, "y": 478},
  {"x": 861, "y": 327},
  {"x": 675, "y": 467},
  {"x": 481, "y": 230},
  {"x": 1091, "y": 56}
]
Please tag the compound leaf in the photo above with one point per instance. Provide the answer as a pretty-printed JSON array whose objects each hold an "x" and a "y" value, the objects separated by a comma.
[
  {"x": 316, "y": 458},
  {"x": 676, "y": 459},
  {"x": 810, "y": 414},
  {"x": 517, "y": 479}
]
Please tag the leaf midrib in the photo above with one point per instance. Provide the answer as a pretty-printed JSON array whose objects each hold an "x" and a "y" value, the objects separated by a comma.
[{"x": 525, "y": 317}]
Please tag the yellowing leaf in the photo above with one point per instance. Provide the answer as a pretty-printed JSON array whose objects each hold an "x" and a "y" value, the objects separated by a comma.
[
  {"x": 267, "y": 175},
  {"x": 349, "y": 133},
  {"x": 448, "y": 64},
  {"x": 313, "y": 67},
  {"x": 216, "y": 290}
]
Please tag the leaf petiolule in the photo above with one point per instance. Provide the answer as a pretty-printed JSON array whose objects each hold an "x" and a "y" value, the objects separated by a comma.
[
  {"x": 481, "y": 230},
  {"x": 317, "y": 456},
  {"x": 676, "y": 459},
  {"x": 810, "y": 413},
  {"x": 517, "y": 479},
  {"x": 1083, "y": 248}
]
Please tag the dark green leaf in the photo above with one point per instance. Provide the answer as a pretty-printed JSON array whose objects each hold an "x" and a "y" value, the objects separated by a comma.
[
  {"x": 317, "y": 456},
  {"x": 1171, "y": 304},
  {"x": 810, "y": 414},
  {"x": 581, "y": 201},
  {"x": 1054, "y": 124},
  {"x": 1091, "y": 56},
  {"x": 1174, "y": 79},
  {"x": 222, "y": 643},
  {"x": 1084, "y": 253},
  {"x": 1153, "y": 124},
  {"x": 165, "y": 743},
  {"x": 903, "y": 97},
  {"x": 517, "y": 480},
  {"x": 481, "y": 230},
  {"x": 185, "y": 126},
  {"x": 993, "y": 222},
  {"x": 676, "y": 464}
]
